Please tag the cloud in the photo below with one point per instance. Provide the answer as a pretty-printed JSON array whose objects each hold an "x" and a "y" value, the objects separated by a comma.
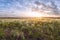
[
  {"x": 22, "y": 7},
  {"x": 50, "y": 9}
]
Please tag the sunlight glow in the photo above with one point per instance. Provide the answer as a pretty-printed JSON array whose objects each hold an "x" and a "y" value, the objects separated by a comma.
[{"x": 35, "y": 14}]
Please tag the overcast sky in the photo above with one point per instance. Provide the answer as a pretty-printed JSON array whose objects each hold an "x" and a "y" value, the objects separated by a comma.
[{"x": 29, "y": 8}]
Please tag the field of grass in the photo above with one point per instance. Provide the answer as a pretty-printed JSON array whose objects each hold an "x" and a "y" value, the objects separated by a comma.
[{"x": 30, "y": 29}]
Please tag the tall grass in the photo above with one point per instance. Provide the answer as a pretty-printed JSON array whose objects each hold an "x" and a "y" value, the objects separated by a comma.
[{"x": 30, "y": 30}]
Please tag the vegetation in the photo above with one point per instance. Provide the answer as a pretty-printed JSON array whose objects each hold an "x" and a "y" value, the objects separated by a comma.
[{"x": 30, "y": 30}]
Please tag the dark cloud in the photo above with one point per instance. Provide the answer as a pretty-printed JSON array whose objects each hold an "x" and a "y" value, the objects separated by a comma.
[{"x": 50, "y": 9}]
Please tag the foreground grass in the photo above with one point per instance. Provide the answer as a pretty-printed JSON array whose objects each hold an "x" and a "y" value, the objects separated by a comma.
[{"x": 30, "y": 30}]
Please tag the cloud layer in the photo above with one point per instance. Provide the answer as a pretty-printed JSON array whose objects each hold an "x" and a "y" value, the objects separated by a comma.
[
  {"x": 22, "y": 8},
  {"x": 50, "y": 8}
]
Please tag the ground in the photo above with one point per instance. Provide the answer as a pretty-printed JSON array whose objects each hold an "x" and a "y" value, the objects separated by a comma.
[{"x": 30, "y": 29}]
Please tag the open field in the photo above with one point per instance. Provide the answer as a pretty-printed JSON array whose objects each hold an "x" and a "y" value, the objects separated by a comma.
[{"x": 30, "y": 29}]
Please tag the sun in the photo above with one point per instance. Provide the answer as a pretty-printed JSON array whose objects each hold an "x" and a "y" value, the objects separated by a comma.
[{"x": 35, "y": 14}]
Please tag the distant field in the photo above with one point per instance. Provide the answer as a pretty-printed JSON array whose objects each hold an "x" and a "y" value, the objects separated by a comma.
[{"x": 29, "y": 19}]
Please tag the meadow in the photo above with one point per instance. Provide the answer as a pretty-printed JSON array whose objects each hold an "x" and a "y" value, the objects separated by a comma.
[{"x": 30, "y": 29}]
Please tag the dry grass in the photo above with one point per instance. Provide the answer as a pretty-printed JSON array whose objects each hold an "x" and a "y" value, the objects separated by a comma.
[{"x": 30, "y": 29}]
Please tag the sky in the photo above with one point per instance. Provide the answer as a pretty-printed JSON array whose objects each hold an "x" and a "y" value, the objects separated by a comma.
[{"x": 29, "y": 8}]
